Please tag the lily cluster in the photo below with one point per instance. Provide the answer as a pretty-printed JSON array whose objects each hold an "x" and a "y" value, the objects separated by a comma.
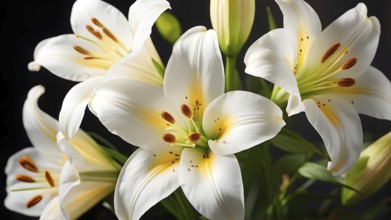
[{"x": 188, "y": 118}]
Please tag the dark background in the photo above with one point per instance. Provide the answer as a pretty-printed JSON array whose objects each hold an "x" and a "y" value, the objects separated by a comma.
[{"x": 25, "y": 23}]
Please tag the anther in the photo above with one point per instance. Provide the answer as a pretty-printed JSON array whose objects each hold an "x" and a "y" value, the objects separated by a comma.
[
  {"x": 349, "y": 63},
  {"x": 33, "y": 201},
  {"x": 49, "y": 178},
  {"x": 194, "y": 137},
  {"x": 346, "y": 82},
  {"x": 93, "y": 32},
  {"x": 25, "y": 178},
  {"x": 27, "y": 163},
  {"x": 109, "y": 34},
  {"x": 81, "y": 50},
  {"x": 168, "y": 117},
  {"x": 330, "y": 51},
  {"x": 186, "y": 111},
  {"x": 96, "y": 22},
  {"x": 169, "y": 138}
]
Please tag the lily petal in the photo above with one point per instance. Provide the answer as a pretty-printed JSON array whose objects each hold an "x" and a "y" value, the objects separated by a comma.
[
  {"x": 85, "y": 11},
  {"x": 78, "y": 196},
  {"x": 142, "y": 16},
  {"x": 146, "y": 178},
  {"x": 273, "y": 57},
  {"x": 194, "y": 73},
  {"x": 300, "y": 19},
  {"x": 53, "y": 210},
  {"x": 370, "y": 95},
  {"x": 218, "y": 177},
  {"x": 339, "y": 125},
  {"x": 137, "y": 107},
  {"x": 40, "y": 127},
  {"x": 65, "y": 56},
  {"x": 358, "y": 36},
  {"x": 239, "y": 120},
  {"x": 74, "y": 104},
  {"x": 17, "y": 198}
]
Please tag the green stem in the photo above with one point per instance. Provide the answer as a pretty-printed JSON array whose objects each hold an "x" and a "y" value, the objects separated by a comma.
[
  {"x": 187, "y": 213},
  {"x": 232, "y": 81}
]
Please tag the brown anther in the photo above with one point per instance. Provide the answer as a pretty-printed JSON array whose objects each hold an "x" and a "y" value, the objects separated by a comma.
[
  {"x": 27, "y": 163},
  {"x": 25, "y": 178},
  {"x": 169, "y": 138},
  {"x": 33, "y": 201},
  {"x": 349, "y": 63},
  {"x": 109, "y": 34},
  {"x": 194, "y": 137},
  {"x": 186, "y": 111},
  {"x": 93, "y": 32},
  {"x": 49, "y": 178},
  {"x": 330, "y": 51},
  {"x": 90, "y": 58},
  {"x": 346, "y": 82},
  {"x": 96, "y": 22},
  {"x": 168, "y": 117},
  {"x": 81, "y": 50}
]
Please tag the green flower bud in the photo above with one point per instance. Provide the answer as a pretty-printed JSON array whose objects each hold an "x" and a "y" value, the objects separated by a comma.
[
  {"x": 232, "y": 20},
  {"x": 169, "y": 27},
  {"x": 371, "y": 171}
]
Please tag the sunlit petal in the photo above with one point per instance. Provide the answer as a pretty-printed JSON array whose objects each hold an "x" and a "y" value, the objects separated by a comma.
[{"x": 212, "y": 184}]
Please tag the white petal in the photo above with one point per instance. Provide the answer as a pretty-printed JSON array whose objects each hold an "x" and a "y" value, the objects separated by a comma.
[
  {"x": 273, "y": 57},
  {"x": 142, "y": 16},
  {"x": 52, "y": 210},
  {"x": 137, "y": 108},
  {"x": 74, "y": 104},
  {"x": 83, "y": 152},
  {"x": 17, "y": 200},
  {"x": 339, "y": 125},
  {"x": 195, "y": 70},
  {"x": 212, "y": 184},
  {"x": 357, "y": 33},
  {"x": 300, "y": 19},
  {"x": 137, "y": 66},
  {"x": 59, "y": 56},
  {"x": 78, "y": 196},
  {"x": 40, "y": 127},
  {"x": 239, "y": 120},
  {"x": 110, "y": 17},
  {"x": 295, "y": 105},
  {"x": 146, "y": 178},
  {"x": 370, "y": 95}
]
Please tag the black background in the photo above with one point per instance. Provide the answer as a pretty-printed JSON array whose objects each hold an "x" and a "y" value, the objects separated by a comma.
[{"x": 25, "y": 23}]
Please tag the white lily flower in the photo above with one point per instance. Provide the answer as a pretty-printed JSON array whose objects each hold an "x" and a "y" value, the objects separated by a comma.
[
  {"x": 102, "y": 37},
  {"x": 188, "y": 132},
  {"x": 40, "y": 178},
  {"x": 326, "y": 73}
]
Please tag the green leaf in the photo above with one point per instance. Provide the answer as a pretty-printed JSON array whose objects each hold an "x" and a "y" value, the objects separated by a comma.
[
  {"x": 159, "y": 67},
  {"x": 288, "y": 164},
  {"x": 319, "y": 172},
  {"x": 270, "y": 19},
  {"x": 116, "y": 155},
  {"x": 291, "y": 142}
]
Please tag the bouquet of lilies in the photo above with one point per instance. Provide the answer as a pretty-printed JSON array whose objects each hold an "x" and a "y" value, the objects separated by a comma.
[{"x": 212, "y": 141}]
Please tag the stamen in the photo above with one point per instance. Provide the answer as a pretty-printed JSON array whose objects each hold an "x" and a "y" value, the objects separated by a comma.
[
  {"x": 330, "y": 51},
  {"x": 25, "y": 178},
  {"x": 96, "y": 22},
  {"x": 27, "y": 163},
  {"x": 349, "y": 63},
  {"x": 169, "y": 138},
  {"x": 109, "y": 34},
  {"x": 186, "y": 111},
  {"x": 49, "y": 178},
  {"x": 93, "y": 32},
  {"x": 195, "y": 137},
  {"x": 33, "y": 201},
  {"x": 81, "y": 50},
  {"x": 168, "y": 117},
  {"x": 346, "y": 82}
]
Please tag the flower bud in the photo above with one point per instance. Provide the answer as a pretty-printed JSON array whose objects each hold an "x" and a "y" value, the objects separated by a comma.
[
  {"x": 232, "y": 20},
  {"x": 370, "y": 173},
  {"x": 169, "y": 27}
]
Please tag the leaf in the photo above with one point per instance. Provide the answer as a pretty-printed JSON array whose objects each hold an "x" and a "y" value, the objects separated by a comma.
[
  {"x": 160, "y": 69},
  {"x": 270, "y": 19},
  {"x": 288, "y": 164}
]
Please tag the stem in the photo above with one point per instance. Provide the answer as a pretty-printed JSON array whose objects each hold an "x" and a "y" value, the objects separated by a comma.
[
  {"x": 232, "y": 81},
  {"x": 187, "y": 214}
]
